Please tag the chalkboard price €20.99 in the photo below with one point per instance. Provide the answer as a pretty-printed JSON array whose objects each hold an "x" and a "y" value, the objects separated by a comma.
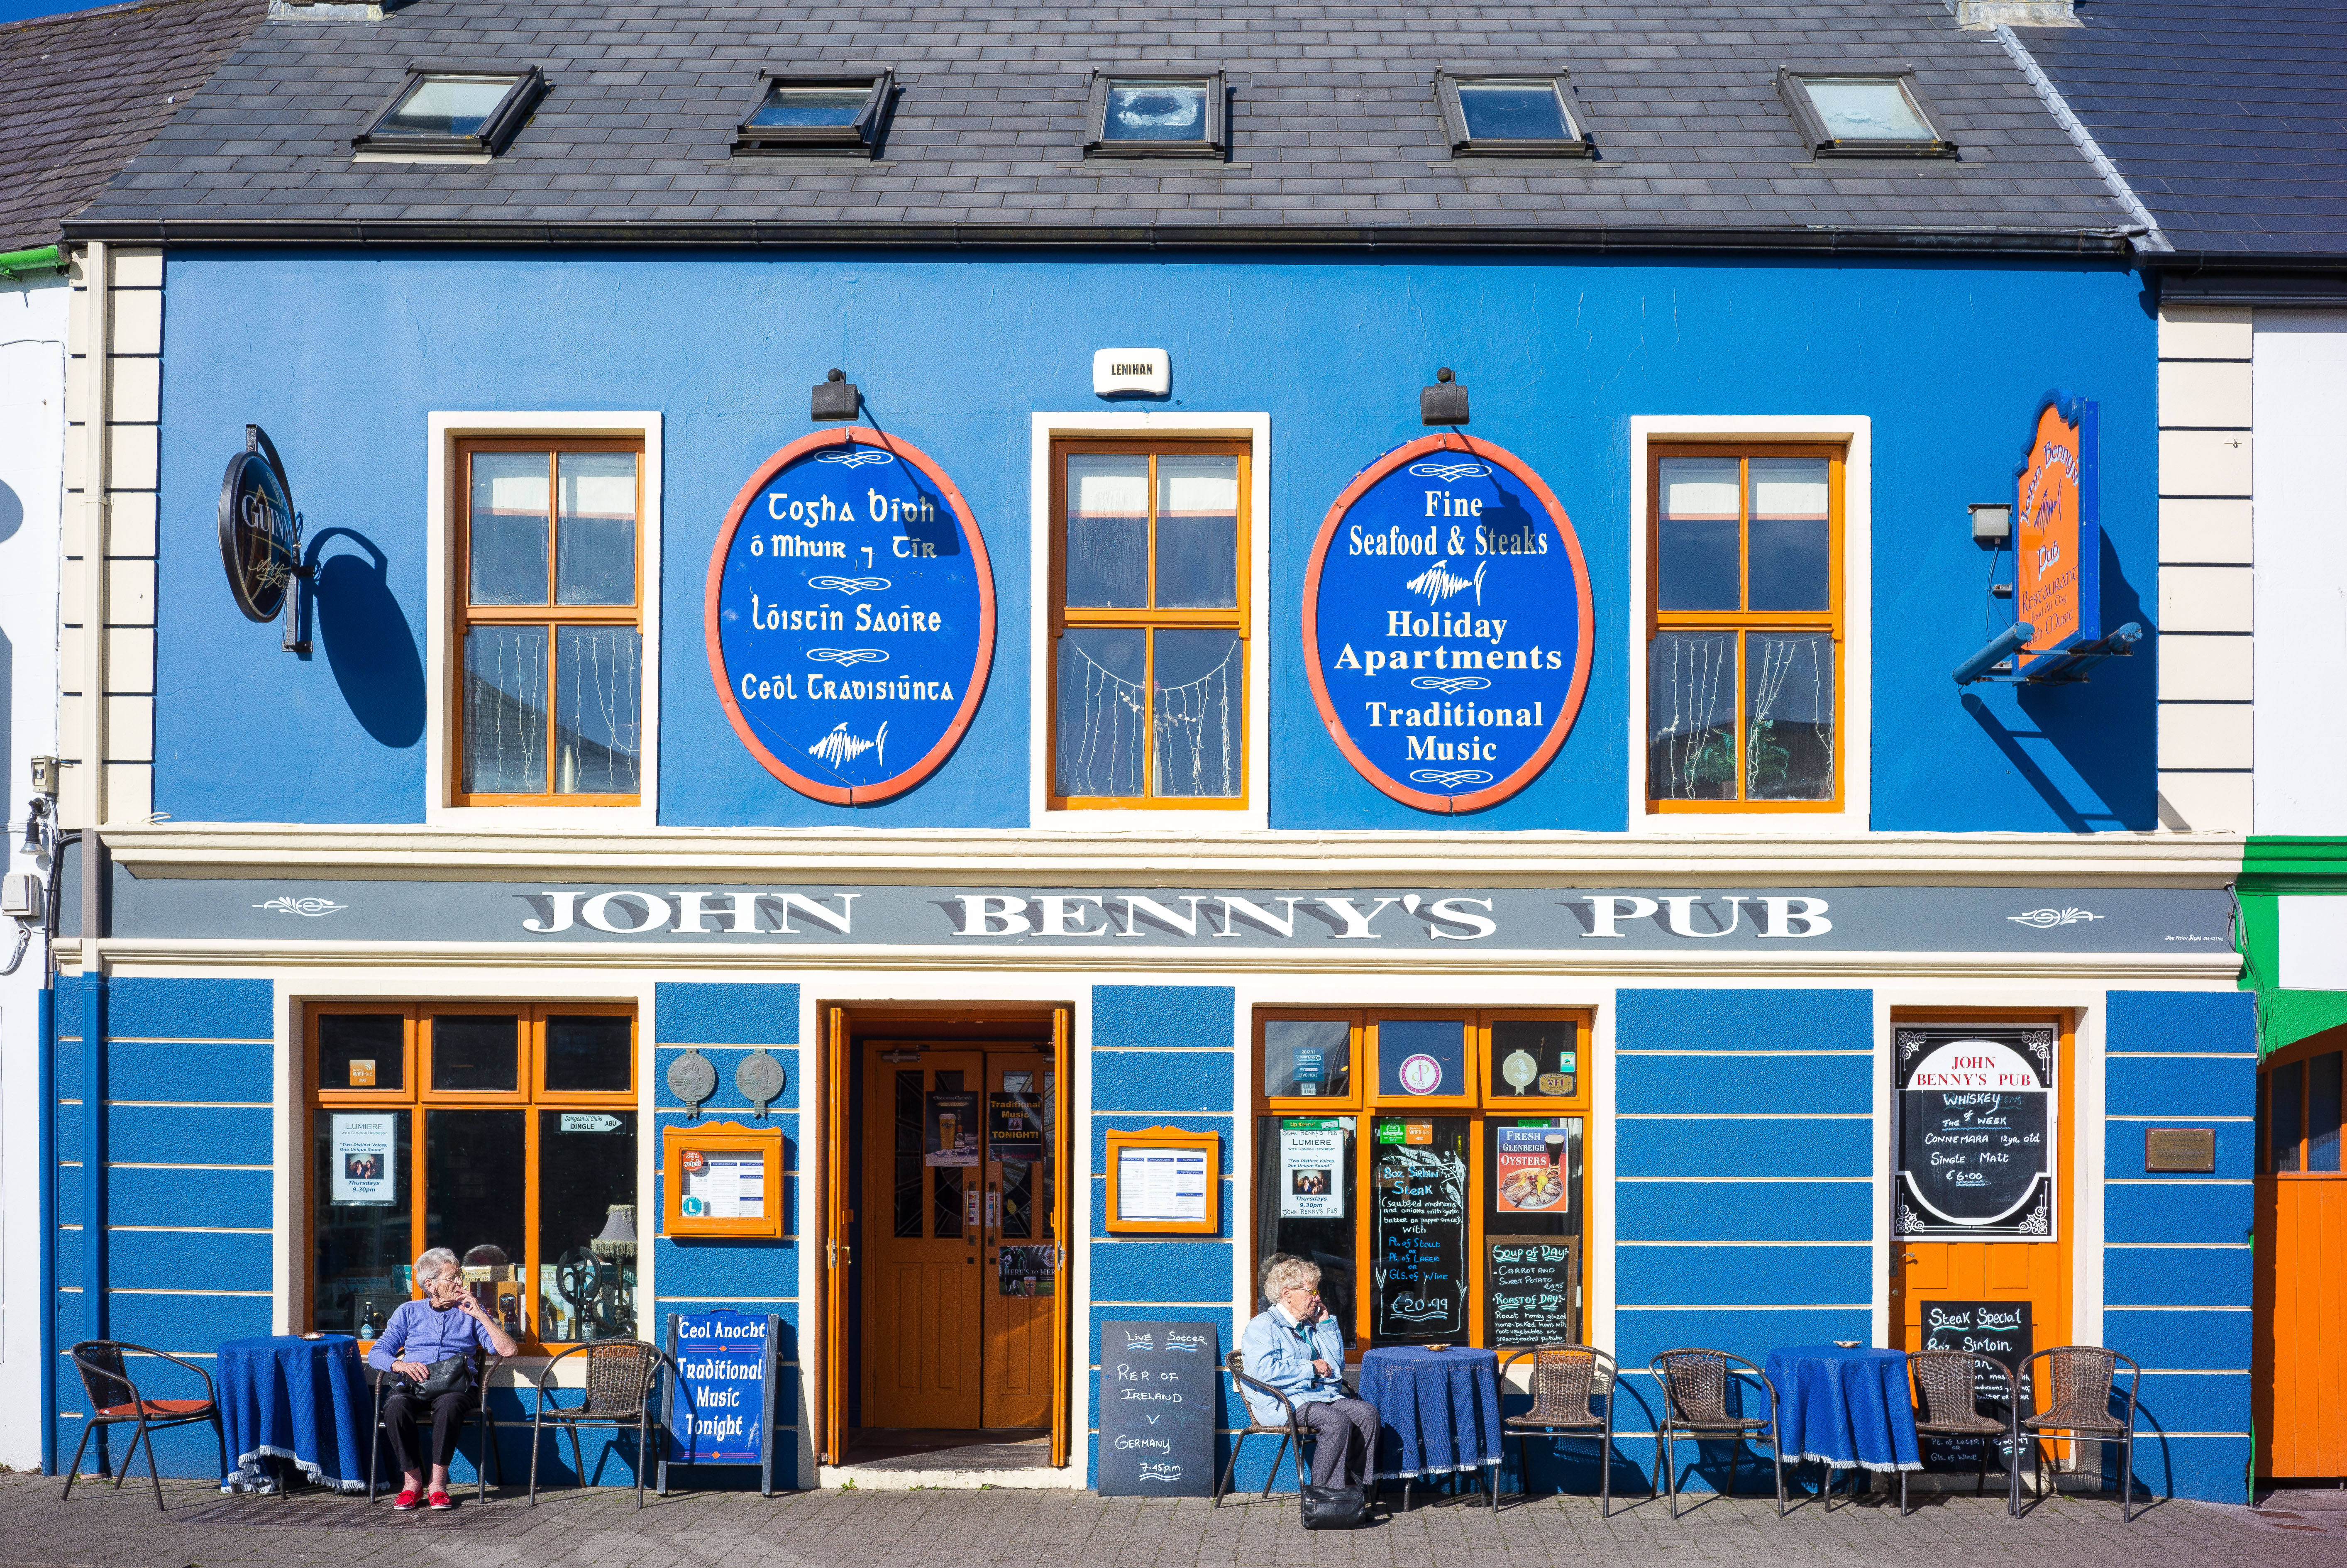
[{"x": 1976, "y": 1133}]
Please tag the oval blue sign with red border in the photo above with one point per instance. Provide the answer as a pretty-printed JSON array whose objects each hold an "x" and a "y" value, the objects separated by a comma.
[
  {"x": 1448, "y": 629},
  {"x": 850, "y": 616}
]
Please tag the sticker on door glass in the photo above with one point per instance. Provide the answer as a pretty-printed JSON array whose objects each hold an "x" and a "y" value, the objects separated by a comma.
[{"x": 1420, "y": 1073}]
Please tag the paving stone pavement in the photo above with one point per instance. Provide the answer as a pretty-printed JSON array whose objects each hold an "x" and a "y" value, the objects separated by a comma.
[{"x": 1015, "y": 1529}]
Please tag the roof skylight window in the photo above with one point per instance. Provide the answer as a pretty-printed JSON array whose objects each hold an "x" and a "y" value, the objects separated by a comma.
[
  {"x": 1876, "y": 114},
  {"x": 818, "y": 111},
  {"x": 1139, "y": 116},
  {"x": 463, "y": 113},
  {"x": 1514, "y": 116}
]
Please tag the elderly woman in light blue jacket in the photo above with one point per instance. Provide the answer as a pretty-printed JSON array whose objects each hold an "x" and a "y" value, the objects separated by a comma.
[{"x": 1298, "y": 1347}]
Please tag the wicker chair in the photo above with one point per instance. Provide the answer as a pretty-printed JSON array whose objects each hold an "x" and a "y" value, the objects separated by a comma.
[
  {"x": 115, "y": 1401},
  {"x": 1564, "y": 1380},
  {"x": 1290, "y": 1430},
  {"x": 2080, "y": 1378},
  {"x": 1694, "y": 1402},
  {"x": 620, "y": 1376},
  {"x": 485, "y": 1427},
  {"x": 1947, "y": 1405}
]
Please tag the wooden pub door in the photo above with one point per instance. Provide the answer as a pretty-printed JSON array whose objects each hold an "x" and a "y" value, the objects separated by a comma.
[{"x": 959, "y": 1256}]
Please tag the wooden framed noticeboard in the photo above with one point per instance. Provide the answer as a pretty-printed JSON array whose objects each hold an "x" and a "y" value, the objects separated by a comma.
[
  {"x": 722, "y": 1179},
  {"x": 1164, "y": 1181}
]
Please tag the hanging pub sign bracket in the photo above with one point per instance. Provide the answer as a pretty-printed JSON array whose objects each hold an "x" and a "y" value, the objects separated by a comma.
[
  {"x": 261, "y": 541},
  {"x": 2068, "y": 668}
]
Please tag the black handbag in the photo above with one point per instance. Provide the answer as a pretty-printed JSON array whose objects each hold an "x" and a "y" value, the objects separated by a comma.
[
  {"x": 1334, "y": 1507},
  {"x": 449, "y": 1375}
]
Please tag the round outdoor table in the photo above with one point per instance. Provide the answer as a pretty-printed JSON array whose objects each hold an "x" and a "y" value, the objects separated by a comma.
[
  {"x": 302, "y": 1401},
  {"x": 1438, "y": 1411},
  {"x": 1844, "y": 1408}
]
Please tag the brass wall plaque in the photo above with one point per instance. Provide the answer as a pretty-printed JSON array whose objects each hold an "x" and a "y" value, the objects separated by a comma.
[{"x": 2183, "y": 1148}]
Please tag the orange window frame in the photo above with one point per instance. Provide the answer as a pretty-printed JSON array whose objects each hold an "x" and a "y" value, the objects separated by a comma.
[
  {"x": 1151, "y": 619},
  {"x": 1479, "y": 1107},
  {"x": 1742, "y": 622},
  {"x": 465, "y": 614},
  {"x": 418, "y": 1096},
  {"x": 2297, "y": 1057}
]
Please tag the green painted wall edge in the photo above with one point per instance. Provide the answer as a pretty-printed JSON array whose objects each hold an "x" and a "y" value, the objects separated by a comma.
[{"x": 2272, "y": 865}]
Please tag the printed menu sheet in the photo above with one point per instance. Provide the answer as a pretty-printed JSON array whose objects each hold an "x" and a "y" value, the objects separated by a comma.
[
  {"x": 1160, "y": 1183},
  {"x": 724, "y": 1186}
]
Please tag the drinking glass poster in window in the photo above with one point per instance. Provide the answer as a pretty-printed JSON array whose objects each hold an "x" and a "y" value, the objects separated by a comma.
[
  {"x": 850, "y": 616},
  {"x": 1447, "y": 624}
]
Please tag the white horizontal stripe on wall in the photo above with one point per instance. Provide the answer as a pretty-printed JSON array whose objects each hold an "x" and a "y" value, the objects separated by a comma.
[
  {"x": 1852, "y": 1245},
  {"x": 1743, "y": 1116}
]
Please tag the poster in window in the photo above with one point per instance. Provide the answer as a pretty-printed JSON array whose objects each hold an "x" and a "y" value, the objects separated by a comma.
[
  {"x": 365, "y": 1161},
  {"x": 950, "y": 1129},
  {"x": 1976, "y": 1133},
  {"x": 1311, "y": 1169},
  {"x": 1014, "y": 1126},
  {"x": 1531, "y": 1171}
]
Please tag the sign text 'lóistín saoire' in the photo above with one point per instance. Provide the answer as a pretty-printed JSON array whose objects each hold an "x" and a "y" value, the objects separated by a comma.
[
  {"x": 850, "y": 616},
  {"x": 1447, "y": 625}
]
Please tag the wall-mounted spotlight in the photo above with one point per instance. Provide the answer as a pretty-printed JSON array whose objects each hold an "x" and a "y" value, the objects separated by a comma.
[
  {"x": 1444, "y": 402},
  {"x": 835, "y": 397},
  {"x": 1992, "y": 524}
]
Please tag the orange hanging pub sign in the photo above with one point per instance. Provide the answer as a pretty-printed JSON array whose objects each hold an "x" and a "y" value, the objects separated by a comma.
[{"x": 2058, "y": 541}]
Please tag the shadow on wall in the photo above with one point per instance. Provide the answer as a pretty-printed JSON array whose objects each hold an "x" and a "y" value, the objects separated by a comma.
[
  {"x": 2105, "y": 729},
  {"x": 370, "y": 647},
  {"x": 12, "y": 511}
]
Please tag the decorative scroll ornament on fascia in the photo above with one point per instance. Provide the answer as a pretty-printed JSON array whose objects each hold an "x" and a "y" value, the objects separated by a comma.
[
  {"x": 311, "y": 907},
  {"x": 2045, "y": 919}
]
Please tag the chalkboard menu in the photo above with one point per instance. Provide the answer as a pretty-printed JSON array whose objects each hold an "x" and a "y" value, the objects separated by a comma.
[
  {"x": 1160, "y": 1391},
  {"x": 1999, "y": 1330},
  {"x": 1531, "y": 1291},
  {"x": 1420, "y": 1231},
  {"x": 1976, "y": 1133}
]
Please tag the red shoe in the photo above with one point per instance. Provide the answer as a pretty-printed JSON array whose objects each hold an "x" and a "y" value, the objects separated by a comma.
[
  {"x": 441, "y": 1500},
  {"x": 406, "y": 1501}
]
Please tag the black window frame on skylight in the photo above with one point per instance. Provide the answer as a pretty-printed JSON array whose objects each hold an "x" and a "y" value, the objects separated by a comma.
[
  {"x": 1793, "y": 87},
  {"x": 512, "y": 112},
  {"x": 1216, "y": 143},
  {"x": 1464, "y": 143},
  {"x": 859, "y": 137}
]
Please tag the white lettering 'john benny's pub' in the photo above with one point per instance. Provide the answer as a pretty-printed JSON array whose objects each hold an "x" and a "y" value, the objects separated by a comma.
[{"x": 753, "y": 844}]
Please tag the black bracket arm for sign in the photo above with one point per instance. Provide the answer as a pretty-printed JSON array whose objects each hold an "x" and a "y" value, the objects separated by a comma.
[{"x": 2067, "y": 668}]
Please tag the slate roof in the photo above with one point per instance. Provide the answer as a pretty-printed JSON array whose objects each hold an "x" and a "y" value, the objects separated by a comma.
[
  {"x": 80, "y": 93},
  {"x": 2229, "y": 119},
  {"x": 1333, "y": 127}
]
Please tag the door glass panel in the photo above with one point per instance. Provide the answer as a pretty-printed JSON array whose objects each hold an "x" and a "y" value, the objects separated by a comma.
[
  {"x": 945, "y": 1221},
  {"x": 1103, "y": 705},
  {"x": 508, "y": 528},
  {"x": 1789, "y": 702},
  {"x": 1691, "y": 716},
  {"x": 588, "y": 1054},
  {"x": 504, "y": 709},
  {"x": 1108, "y": 531},
  {"x": 475, "y": 1198},
  {"x": 2322, "y": 1113},
  {"x": 361, "y": 1051},
  {"x": 1419, "y": 1231},
  {"x": 2286, "y": 1121},
  {"x": 1695, "y": 547},
  {"x": 1201, "y": 693},
  {"x": 595, "y": 528},
  {"x": 1533, "y": 1057},
  {"x": 1307, "y": 1203},
  {"x": 362, "y": 1262},
  {"x": 1791, "y": 534},
  {"x": 907, "y": 1210},
  {"x": 475, "y": 1052},
  {"x": 1197, "y": 532},
  {"x": 585, "y": 1224},
  {"x": 1307, "y": 1056}
]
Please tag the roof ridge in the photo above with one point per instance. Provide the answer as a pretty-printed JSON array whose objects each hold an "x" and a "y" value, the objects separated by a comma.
[{"x": 27, "y": 24}]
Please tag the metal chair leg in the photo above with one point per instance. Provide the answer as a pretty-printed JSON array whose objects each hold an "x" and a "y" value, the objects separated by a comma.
[
  {"x": 1671, "y": 1464},
  {"x": 1272, "y": 1477},
  {"x": 1776, "y": 1456},
  {"x": 577, "y": 1455},
  {"x": 2127, "y": 1474},
  {"x": 537, "y": 1430},
  {"x": 74, "y": 1470},
  {"x": 644, "y": 1451},
  {"x": 1238, "y": 1442}
]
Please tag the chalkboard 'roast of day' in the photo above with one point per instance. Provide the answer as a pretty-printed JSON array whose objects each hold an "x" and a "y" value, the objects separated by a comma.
[
  {"x": 1975, "y": 1133},
  {"x": 1160, "y": 1394}
]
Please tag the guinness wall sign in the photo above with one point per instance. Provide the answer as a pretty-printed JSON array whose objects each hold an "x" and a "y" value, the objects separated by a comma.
[{"x": 259, "y": 533}]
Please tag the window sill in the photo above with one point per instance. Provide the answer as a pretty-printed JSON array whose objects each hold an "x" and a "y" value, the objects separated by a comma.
[
  {"x": 371, "y": 155},
  {"x": 586, "y": 818}
]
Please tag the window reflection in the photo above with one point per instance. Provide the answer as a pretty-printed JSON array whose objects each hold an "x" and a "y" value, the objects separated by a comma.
[
  {"x": 1691, "y": 715},
  {"x": 508, "y": 528},
  {"x": 1200, "y": 685},
  {"x": 1788, "y": 695},
  {"x": 585, "y": 1224},
  {"x": 1108, "y": 531}
]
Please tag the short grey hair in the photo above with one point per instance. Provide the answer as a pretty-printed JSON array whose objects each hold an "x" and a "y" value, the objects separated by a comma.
[
  {"x": 1290, "y": 1274},
  {"x": 434, "y": 1262}
]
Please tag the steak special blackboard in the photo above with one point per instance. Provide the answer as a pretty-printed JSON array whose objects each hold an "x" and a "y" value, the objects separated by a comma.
[
  {"x": 1420, "y": 1225},
  {"x": 2000, "y": 1330},
  {"x": 1159, "y": 1395},
  {"x": 1531, "y": 1291},
  {"x": 1976, "y": 1133}
]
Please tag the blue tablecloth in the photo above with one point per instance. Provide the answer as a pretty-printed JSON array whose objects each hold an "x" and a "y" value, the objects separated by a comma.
[
  {"x": 306, "y": 1401},
  {"x": 1845, "y": 1406},
  {"x": 1438, "y": 1410}
]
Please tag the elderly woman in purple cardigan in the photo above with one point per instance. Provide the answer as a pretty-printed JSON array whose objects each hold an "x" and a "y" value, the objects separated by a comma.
[{"x": 446, "y": 1322}]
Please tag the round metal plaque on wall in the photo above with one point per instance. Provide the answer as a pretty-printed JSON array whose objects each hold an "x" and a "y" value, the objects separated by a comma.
[
  {"x": 760, "y": 1079},
  {"x": 259, "y": 539},
  {"x": 692, "y": 1079}
]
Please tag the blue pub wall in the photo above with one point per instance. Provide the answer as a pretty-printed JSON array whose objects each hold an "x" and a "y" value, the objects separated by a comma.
[{"x": 954, "y": 354}]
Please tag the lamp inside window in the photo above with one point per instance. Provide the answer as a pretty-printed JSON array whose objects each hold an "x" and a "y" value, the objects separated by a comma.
[
  {"x": 806, "y": 112},
  {"x": 1137, "y": 116},
  {"x": 1880, "y": 114},
  {"x": 461, "y": 112},
  {"x": 1514, "y": 116}
]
